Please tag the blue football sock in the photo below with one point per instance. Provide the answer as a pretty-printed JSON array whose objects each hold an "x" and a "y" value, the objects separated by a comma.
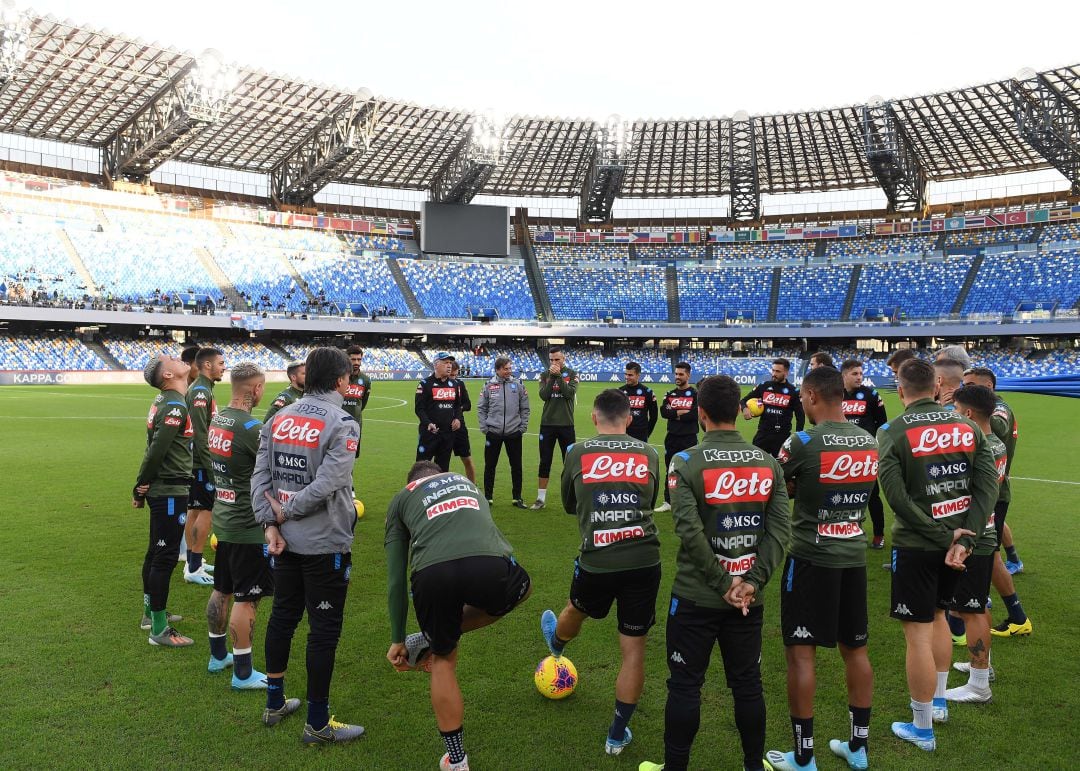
[
  {"x": 623, "y": 713},
  {"x": 956, "y": 625},
  {"x": 194, "y": 561},
  {"x": 275, "y": 691},
  {"x": 318, "y": 714},
  {"x": 218, "y": 646}
]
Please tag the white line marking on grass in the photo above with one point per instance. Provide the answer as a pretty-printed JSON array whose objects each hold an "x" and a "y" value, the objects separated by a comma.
[
  {"x": 1048, "y": 481},
  {"x": 400, "y": 403}
]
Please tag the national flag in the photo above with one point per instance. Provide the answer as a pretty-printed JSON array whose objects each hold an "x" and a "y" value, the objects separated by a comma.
[
  {"x": 883, "y": 229},
  {"x": 954, "y": 223},
  {"x": 640, "y": 238},
  {"x": 977, "y": 221},
  {"x": 341, "y": 224},
  {"x": 544, "y": 237},
  {"x": 903, "y": 227},
  {"x": 1016, "y": 218},
  {"x": 848, "y": 231},
  {"x": 937, "y": 225},
  {"x": 1057, "y": 214},
  {"x": 921, "y": 226},
  {"x": 302, "y": 220}
]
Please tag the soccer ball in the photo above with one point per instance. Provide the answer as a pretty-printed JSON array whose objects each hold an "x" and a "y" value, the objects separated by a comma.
[
  {"x": 555, "y": 677},
  {"x": 213, "y": 541},
  {"x": 755, "y": 406},
  {"x": 359, "y": 508}
]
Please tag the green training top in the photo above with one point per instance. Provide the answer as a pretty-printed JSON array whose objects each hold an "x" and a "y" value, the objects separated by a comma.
[
  {"x": 937, "y": 472},
  {"x": 201, "y": 407},
  {"x": 233, "y": 440},
  {"x": 166, "y": 464},
  {"x": 610, "y": 482},
  {"x": 283, "y": 399},
  {"x": 558, "y": 395},
  {"x": 1003, "y": 424},
  {"x": 356, "y": 397},
  {"x": 442, "y": 517},
  {"x": 834, "y": 467},
  {"x": 987, "y": 541},
  {"x": 731, "y": 516}
]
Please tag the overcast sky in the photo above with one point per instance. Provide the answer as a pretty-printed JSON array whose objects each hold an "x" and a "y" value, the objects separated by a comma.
[{"x": 576, "y": 58}]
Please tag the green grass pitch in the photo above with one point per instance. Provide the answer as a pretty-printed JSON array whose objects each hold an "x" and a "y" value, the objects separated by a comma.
[{"x": 81, "y": 688}]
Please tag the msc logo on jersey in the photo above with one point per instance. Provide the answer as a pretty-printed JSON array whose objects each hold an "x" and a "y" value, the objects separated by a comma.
[
  {"x": 606, "y": 499},
  {"x": 945, "y": 470},
  {"x": 728, "y": 522}
]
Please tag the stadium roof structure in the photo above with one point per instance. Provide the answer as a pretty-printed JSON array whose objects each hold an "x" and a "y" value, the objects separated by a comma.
[{"x": 82, "y": 86}]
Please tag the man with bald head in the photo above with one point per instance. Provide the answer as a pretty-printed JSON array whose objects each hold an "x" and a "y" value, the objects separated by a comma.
[{"x": 948, "y": 376}]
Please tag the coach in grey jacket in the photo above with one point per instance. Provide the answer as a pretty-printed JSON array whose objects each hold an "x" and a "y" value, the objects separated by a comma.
[
  {"x": 301, "y": 491},
  {"x": 503, "y": 412}
]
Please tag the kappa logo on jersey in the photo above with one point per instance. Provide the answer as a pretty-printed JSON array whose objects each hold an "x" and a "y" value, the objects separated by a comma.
[
  {"x": 854, "y": 407},
  {"x": 801, "y": 632},
  {"x": 174, "y": 412},
  {"x": 290, "y": 461},
  {"x": 226, "y": 496},
  {"x": 732, "y": 456},
  {"x": 219, "y": 441},
  {"x": 774, "y": 399},
  {"x": 677, "y": 657},
  {"x": 847, "y": 440},
  {"x": 839, "y": 529},
  {"x": 950, "y": 507},
  {"x": 849, "y": 467},
  {"x": 973, "y": 603},
  {"x": 637, "y": 402},
  {"x": 945, "y": 470},
  {"x": 737, "y": 566},
  {"x": 629, "y": 467},
  {"x": 443, "y": 394},
  {"x": 680, "y": 402},
  {"x": 941, "y": 440},
  {"x": 729, "y": 522},
  {"x": 300, "y": 432},
  {"x": 601, "y": 538},
  {"x": 743, "y": 484},
  {"x": 446, "y": 507},
  {"x": 902, "y": 610}
]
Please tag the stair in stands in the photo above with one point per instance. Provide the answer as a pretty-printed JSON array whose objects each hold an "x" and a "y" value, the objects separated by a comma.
[
  {"x": 415, "y": 308},
  {"x": 276, "y": 348},
  {"x": 819, "y": 251},
  {"x": 532, "y": 267},
  {"x": 77, "y": 263},
  {"x": 300, "y": 282},
  {"x": 671, "y": 283},
  {"x": 419, "y": 351},
  {"x": 102, "y": 218},
  {"x": 853, "y": 287},
  {"x": 939, "y": 244},
  {"x": 219, "y": 277},
  {"x": 225, "y": 230},
  {"x": 103, "y": 353},
  {"x": 969, "y": 280},
  {"x": 774, "y": 293}
]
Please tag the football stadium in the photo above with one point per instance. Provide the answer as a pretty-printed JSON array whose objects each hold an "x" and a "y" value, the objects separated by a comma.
[{"x": 810, "y": 360}]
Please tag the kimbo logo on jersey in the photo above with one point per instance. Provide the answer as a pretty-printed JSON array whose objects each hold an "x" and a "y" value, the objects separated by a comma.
[
  {"x": 301, "y": 432},
  {"x": 950, "y": 507},
  {"x": 445, "y": 507},
  {"x": 603, "y": 538}
]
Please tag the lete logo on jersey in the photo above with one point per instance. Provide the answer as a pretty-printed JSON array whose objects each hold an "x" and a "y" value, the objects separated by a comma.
[
  {"x": 947, "y": 439},
  {"x": 300, "y": 432},
  {"x": 742, "y": 484},
  {"x": 774, "y": 399},
  {"x": 443, "y": 394},
  {"x": 854, "y": 407},
  {"x": 219, "y": 441},
  {"x": 849, "y": 467},
  {"x": 629, "y": 467}
]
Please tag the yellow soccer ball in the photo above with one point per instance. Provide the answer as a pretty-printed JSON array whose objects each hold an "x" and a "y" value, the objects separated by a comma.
[
  {"x": 755, "y": 406},
  {"x": 359, "y": 508},
  {"x": 555, "y": 677},
  {"x": 213, "y": 541}
]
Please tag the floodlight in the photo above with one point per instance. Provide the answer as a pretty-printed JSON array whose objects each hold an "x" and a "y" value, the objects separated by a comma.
[{"x": 14, "y": 39}]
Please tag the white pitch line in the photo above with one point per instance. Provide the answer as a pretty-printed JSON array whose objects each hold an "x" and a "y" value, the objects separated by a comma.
[{"x": 1048, "y": 481}]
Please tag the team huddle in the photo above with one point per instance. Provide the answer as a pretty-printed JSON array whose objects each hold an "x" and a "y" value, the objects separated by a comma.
[{"x": 278, "y": 495}]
